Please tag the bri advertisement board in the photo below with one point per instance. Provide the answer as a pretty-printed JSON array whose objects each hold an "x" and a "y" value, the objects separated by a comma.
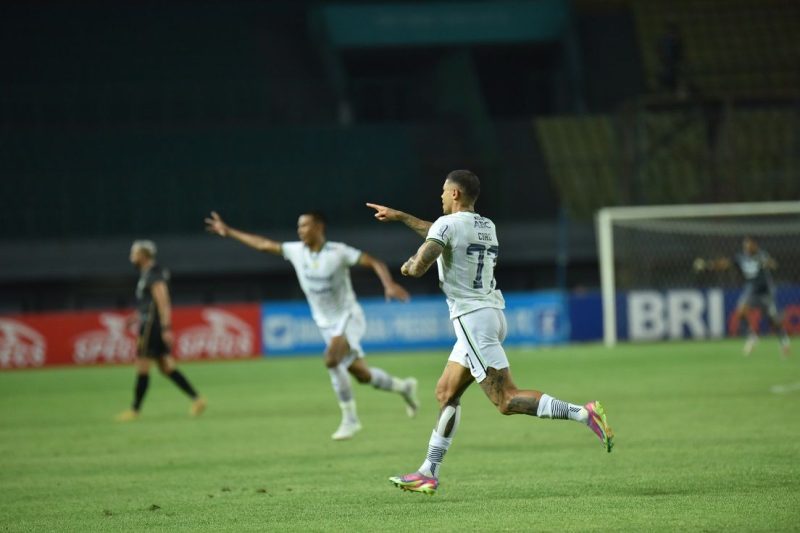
[
  {"x": 533, "y": 319},
  {"x": 698, "y": 314},
  {"x": 686, "y": 313},
  {"x": 103, "y": 337}
]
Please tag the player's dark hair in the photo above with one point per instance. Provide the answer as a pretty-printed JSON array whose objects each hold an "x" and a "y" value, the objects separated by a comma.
[
  {"x": 467, "y": 182},
  {"x": 318, "y": 216}
]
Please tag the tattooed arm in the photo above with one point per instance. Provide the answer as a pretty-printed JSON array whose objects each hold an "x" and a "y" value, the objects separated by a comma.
[
  {"x": 420, "y": 262},
  {"x": 387, "y": 214}
]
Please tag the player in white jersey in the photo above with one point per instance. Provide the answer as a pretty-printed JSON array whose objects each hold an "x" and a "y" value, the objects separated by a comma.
[
  {"x": 323, "y": 270},
  {"x": 465, "y": 247}
]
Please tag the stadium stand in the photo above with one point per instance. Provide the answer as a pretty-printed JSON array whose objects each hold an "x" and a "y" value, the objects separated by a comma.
[
  {"x": 726, "y": 130},
  {"x": 136, "y": 123},
  {"x": 731, "y": 47}
]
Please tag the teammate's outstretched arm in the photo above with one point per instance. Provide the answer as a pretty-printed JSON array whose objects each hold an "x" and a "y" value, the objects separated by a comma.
[
  {"x": 713, "y": 265},
  {"x": 216, "y": 225},
  {"x": 420, "y": 262},
  {"x": 387, "y": 214},
  {"x": 391, "y": 289}
]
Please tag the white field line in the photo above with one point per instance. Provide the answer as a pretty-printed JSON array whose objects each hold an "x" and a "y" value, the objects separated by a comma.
[{"x": 784, "y": 389}]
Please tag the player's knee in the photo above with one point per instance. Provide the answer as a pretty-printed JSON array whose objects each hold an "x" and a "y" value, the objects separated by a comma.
[
  {"x": 330, "y": 360},
  {"x": 362, "y": 377},
  {"x": 443, "y": 395}
]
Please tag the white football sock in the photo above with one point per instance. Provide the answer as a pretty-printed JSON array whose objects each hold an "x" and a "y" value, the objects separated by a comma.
[
  {"x": 349, "y": 414},
  {"x": 550, "y": 407},
  {"x": 383, "y": 381},
  {"x": 340, "y": 380},
  {"x": 439, "y": 443}
]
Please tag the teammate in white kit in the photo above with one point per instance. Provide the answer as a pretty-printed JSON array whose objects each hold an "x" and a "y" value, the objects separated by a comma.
[
  {"x": 465, "y": 247},
  {"x": 323, "y": 270}
]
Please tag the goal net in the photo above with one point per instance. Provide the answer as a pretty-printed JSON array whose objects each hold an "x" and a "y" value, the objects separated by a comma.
[{"x": 660, "y": 271}]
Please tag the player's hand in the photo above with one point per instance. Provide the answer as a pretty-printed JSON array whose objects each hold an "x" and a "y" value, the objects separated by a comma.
[
  {"x": 215, "y": 224},
  {"x": 396, "y": 292},
  {"x": 385, "y": 214},
  {"x": 406, "y": 268},
  {"x": 168, "y": 338}
]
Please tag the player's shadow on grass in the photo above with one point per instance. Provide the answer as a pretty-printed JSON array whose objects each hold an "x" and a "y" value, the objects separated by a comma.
[{"x": 660, "y": 491}]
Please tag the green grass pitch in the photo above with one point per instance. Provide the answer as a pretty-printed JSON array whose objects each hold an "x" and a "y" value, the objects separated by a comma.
[{"x": 703, "y": 443}]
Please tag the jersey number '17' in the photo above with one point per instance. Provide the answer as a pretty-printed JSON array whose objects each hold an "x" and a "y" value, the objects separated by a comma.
[{"x": 481, "y": 250}]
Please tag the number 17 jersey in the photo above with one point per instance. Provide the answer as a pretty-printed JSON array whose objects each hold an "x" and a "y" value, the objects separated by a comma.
[{"x": 466, "y": 266}]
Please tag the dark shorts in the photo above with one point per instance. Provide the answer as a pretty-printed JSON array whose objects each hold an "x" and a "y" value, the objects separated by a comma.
[
  {"x": 758, "y": 298},
  {"x": 150, "y": 344}
]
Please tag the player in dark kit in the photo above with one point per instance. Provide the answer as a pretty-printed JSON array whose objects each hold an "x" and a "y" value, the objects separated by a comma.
[
  {"x": 756, "y": 266},
  {"x": 155, "y": 340}
]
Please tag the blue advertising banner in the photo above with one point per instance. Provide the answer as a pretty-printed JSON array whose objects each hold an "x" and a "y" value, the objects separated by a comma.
[
  {"x": 687, "y": 313},
  {"x": 695, "y": 313},
  {"x": 533, "y": 319}
]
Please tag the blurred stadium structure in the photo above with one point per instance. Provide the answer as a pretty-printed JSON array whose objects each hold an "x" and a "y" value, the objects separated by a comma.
[{"x": 135, "y": 119}]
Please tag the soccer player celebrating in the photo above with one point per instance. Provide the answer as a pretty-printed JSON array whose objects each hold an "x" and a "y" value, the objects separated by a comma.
[
  {"x": 756, "y": 266},
  {"x": 323, "y": 270},
  {"x": 465, "y": 247},
  {"x": 155, "y": 330}
]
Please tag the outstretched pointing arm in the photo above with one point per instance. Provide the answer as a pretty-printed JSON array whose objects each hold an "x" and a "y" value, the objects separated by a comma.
[
  {"x": 215, "y": 224},
  {"x": 387, "y": 214}
]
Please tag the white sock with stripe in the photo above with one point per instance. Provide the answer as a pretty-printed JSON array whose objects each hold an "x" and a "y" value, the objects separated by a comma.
[
  {"x": 340, "y": 380},
  {"x": 441, "y": 438},
  {"x": 383, "y": 381},
  {"x": 550, "y": 407}
]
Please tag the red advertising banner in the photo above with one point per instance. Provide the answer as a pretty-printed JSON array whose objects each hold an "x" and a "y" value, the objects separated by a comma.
[{"x": 88, "y": 338}]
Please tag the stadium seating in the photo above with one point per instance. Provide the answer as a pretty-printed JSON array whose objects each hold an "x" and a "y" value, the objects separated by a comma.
[
  {"x": 701, "y": 153},
  {"x": 582, "y": 155},
  {"x": 731, "y": 47}
]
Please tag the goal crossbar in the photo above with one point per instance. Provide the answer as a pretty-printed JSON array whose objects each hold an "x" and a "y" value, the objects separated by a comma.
[{"x": 606, "y": 217}]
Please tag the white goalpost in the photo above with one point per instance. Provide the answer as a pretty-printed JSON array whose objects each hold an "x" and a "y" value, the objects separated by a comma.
[{"x": 652, "y": 247}]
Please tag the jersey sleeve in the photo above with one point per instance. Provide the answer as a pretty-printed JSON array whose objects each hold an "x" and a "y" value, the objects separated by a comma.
[
  {"x": 441, "y": 232},
  {"x": 157, "y": 274},
  {"x": 291, "y": 250},
  {"x": 351, "y": 255}
]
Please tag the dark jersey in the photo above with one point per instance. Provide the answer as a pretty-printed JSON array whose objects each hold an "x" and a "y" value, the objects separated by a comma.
[
  {"x": 754, "y": 269},
  {"x": 148, "y": 312}
]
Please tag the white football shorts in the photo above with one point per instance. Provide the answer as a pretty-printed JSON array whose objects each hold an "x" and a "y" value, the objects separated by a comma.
[
  {"x": 352, "y": 325},
  {"x": 479, "y": 337}
]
